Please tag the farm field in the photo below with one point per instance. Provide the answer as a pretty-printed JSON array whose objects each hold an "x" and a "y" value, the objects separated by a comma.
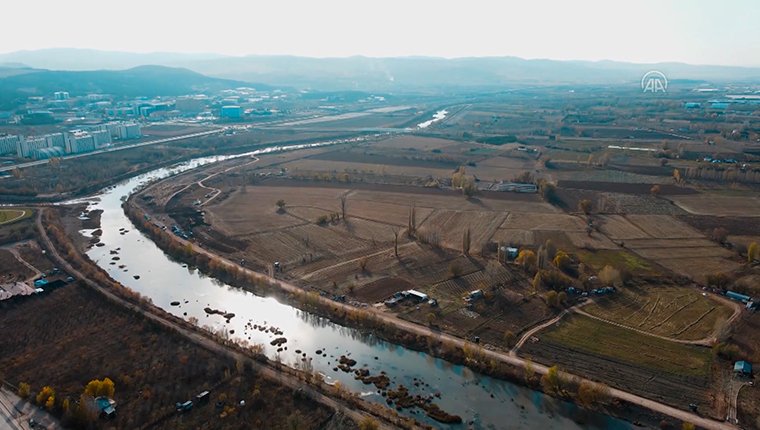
[
  {"x": 715, "y": 204},
  {"x": 667, "y": 371},
  {"x": 670, "y": 311},
  {"x": 8, "y": 216},
  {"x": 670, "y": 243}
]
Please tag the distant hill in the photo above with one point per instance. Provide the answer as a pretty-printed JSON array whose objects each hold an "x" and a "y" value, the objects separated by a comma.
[
  {"x": 390, "y": 74},
  {"x": 149, "y": 81}
]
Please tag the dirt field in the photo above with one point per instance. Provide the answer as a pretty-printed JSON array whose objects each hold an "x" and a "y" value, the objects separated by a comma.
[
  {"x": 152, "y": 369},
  {"x": 670, "y": 311},
  {"x": 719, "y": 204},
  {"x": 667, "y": 371},
  {"x": 625, "y": 188}
]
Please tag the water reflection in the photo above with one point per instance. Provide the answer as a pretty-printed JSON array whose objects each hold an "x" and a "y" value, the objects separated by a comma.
[{"x": 485, "y": 402}]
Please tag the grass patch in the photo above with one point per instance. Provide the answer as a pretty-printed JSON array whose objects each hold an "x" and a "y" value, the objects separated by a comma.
[
  {"x": 8, "y": 216},
  {"x": 617, "y": 259},
  {"x": 672, "y": 311},
  {"x": 597, "y": 338}
]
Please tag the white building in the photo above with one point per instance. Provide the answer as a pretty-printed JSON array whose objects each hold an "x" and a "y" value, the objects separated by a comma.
[
  {"x": 101, "y": 138},
  {"x": 27, "y": 145},
  {"x": 79, "y": 141},
  {"x": 8, "y": 144},
  {"x": 61, "y": 95},
  {"x": 55, "y": 139},
  {"x": 130, "y": 131}
]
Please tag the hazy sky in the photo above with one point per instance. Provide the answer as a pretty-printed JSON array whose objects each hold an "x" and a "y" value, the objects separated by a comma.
[{"x": 692, "y": 31}]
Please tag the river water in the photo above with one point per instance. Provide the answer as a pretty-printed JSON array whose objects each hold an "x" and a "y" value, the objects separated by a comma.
[{"x": 482, "y": 402}]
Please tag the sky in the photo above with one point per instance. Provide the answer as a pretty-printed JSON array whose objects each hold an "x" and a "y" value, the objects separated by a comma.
[{"x": 720, "y": 32}]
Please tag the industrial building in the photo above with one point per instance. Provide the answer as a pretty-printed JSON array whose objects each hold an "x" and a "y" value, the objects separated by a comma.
[{"x": 231, "y": 112}]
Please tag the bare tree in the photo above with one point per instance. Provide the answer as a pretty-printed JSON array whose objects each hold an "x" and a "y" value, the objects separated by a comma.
[
  {"x": 343, "y": 207},
  {"x": 411, "y": 229},
  {"x": 466, "y": 242},
  {"x": 395, "y": 242}
]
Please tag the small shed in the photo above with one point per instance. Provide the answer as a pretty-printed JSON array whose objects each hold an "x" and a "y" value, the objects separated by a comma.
[
  {"x": 474, "y": 295},
  {"x": 743, "y": 368},
  {"x": 417, "y": 295}
]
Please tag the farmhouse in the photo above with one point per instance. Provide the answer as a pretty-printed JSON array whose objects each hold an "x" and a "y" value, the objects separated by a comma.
[{"x": 743, "y": 368}]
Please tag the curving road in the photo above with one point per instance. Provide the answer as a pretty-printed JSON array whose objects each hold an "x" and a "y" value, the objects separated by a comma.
[{"x": 513, "y": 360}]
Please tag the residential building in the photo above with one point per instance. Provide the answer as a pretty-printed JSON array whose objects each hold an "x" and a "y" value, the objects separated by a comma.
[
  {"x": 130, "y": 131},
  {"x": 101, "y": 138},
  {"x": 79, "y": 141},
  {"x": 8, "y": 144},
  {"x": 61, "y": 95},
  {"x": 25, "y": 146}
]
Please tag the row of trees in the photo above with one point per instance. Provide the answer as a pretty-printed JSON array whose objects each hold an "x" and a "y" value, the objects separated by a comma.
[{"x": 79, "y": 415}]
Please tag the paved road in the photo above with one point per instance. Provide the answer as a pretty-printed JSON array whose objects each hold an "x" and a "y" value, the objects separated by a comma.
[
  {"x": 113, "y": 149},
  {"x": 15, "y": 413},
  {"x": 285, "y": 379}
]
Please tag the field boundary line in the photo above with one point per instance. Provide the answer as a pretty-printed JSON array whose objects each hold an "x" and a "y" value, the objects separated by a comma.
[{"x": 700, "y": 342}]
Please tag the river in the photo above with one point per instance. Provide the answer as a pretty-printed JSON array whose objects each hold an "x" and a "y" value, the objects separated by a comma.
[{"x": 484, "y": 402}]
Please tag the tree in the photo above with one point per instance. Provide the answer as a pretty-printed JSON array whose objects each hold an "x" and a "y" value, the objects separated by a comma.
[
  {"x": 280, "y": 205},
  {"x": 411, "y": 229},
  {"x": 585, "y": 206},
  {"x": 553, "y": 381},
  {"x": 551, "y": 299},
  {"x": 563, "y": 261},
  {"x": 24, "y": 390},
  {"x": 677, "y": 176},
  {"x": 343, "y": 207},
  {"x": 430, "y": 317},
  {"x": 466, "y": 242},
  {"x": 687, "y": 426},
  {"x": 45, "y": 393},
  {"x": 655, "y": 190},
  {"x": 753, "y": 252},
  {"x": 455, "y": 270},
  {"x": 527, "y": 259},
  {"x": 50, "y": 403},
  {"x": 509, "y": 338},
  {"x": 368, "y": 423},
  {"x": 548, "y": 192},
  {"x": 395, "y": 242},
  {"x": 719, "y": 234},
  {"x": 590, "y": 393},
  {"x": 97, "y": 388},
  {"x": 610, "y": 276},
  {"x": 562, "y": 298}
]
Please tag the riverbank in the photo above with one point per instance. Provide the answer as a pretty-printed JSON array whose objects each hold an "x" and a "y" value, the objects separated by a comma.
[
  {"x": 400, "y": 332},
  {"x": 93, "y": 277}
]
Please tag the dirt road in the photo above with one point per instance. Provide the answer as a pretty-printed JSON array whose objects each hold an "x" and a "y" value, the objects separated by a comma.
[
  {"x": 417, "y": 329},
  {"x": 283, "y": 378}
]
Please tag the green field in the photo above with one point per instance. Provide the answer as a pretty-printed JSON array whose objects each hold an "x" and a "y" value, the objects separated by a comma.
[
  {"x": 620, "y": 259},
  {"x": 597, "y": 338},
  {"x": 8, "y": 216},
  {"x": 671, "y": 311}
]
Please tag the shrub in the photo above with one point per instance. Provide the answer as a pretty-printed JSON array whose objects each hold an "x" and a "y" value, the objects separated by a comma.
[{"x": 24, "y": 390}]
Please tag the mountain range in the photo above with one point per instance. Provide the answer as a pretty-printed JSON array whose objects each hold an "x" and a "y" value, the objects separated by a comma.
[{"x": 371, "y": 74}]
